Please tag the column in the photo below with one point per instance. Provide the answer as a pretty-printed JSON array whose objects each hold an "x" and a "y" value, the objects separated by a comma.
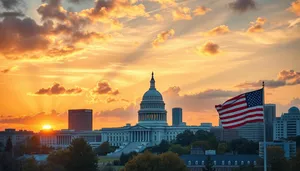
[{"x": 140, "y": 136}]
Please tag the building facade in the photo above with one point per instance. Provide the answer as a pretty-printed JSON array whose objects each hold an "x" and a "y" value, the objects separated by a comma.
[
  {"x": 289, "y": 148},
  {"x": 176, "y": 116},
  {"x": 252, "y": 131},
  {"x": 270, "y": 117},
  {"x": 63, "y": 138},
  {"x": 151, "y": 128},
  {"x": 17, "y": 137},
  {"x": 80, "y": 119},
  {"x": 288, "y": 125},
  {"x": 225, "y": 134}
]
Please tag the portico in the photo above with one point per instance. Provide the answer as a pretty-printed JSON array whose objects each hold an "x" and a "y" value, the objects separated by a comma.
[{"x": 139, "y": 136}]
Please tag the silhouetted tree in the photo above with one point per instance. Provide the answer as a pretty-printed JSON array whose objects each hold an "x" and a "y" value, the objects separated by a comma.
[
  {"x": 178, "y": 149},
  {"x": 103, "y": 149},
  {"x": 276, "y": 159},
  {"x": 30, "y": 165},
  {"x": 295, "y": 162},
  {"x": 185, "y": 138},
  {"x": 124, "y": 158},
  {"x": 8, "y": 146},
  {"x": 208, "y": 164}
]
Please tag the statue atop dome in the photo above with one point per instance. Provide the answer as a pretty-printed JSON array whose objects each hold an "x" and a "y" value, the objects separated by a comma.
[{"x": 152, "y": 82}]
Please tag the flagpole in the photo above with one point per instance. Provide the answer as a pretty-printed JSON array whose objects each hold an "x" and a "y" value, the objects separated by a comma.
[{"x": 265, "y": 144}]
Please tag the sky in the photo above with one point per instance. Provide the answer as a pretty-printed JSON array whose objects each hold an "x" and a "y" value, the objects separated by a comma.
[{"x": 57, "y": 55}]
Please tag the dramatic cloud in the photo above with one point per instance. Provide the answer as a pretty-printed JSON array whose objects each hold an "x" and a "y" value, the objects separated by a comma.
[
  {"x": 14, "y": 68},
  {"x": 158, "y": 17},
  {"x": 242, "y": 5},
  {"x": 209, "y": 48},
  {"x": 103, "y": 87},
  {"x": 165, "y": 3},
  {"x": 201, "y": 10},
  {"x": 294, "y": 22},
  {"x": 127, "y": 114},
  {"x": 182, "y": 13},
  {"x": 257, "y": 26},
  {"x": 295, "y": 7},
  {"x": 162, "y": 37},
  {"x": 220, "y": 30},
  {"x": 57, "y": 89},
  {"x": 285, "y": 77},
  {"x": 9, "y": 4}
]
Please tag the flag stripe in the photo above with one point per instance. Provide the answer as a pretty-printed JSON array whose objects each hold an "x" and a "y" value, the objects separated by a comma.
[
  {"x": 243, "y": 123},
  {"x": 242, "y": 117},
  {"x": 241, "y": 112},
  {"x": 239, "y": 101}
]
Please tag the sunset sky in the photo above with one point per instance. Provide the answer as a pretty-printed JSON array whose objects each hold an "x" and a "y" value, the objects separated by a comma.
[{"x": 57, "y": 55}]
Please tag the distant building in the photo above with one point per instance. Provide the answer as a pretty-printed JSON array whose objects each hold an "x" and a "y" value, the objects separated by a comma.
[
  {"x": 63, "y": 138},
  {"x": 176, "y": 116},
  {"x": 270, "y": 117},
  {"x": 225, "y": 134},
  {"x": 80, "y": 119},
  {"x": 252, "y": 131},
  {"x": 289, "y": 148},
  {"x": 288, "y": 125},
  {"x": 17, "y": 137}
]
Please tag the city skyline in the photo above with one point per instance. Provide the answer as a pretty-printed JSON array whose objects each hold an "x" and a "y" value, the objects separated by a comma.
[{"x": 73, "y": 56}]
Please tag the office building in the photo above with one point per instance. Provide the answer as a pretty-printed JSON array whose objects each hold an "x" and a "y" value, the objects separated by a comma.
[
  {"x": 63, "y": 138},
  {"x": 289, "y": 148},
  {"x": 252, "y": 131},
  {"x": 225, "y": 134},
  {"x": 288, "y": 125},
  {"x": 17, "y": 137},
  {"x": 270, "y": 117},
  {"x": 176, "y": 116},
  {"x": 80, "y": 119}
]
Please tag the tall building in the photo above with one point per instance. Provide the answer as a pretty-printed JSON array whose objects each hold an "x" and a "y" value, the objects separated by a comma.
[
  {"x": 176, "y": 116},
  {"x": 288, "y": 125},
  {"x": 270, "y": 116},
  {"x": 252, "y": 131},
  {"x": 225, "y": 134},
  {"x": 80, "y": 119}
]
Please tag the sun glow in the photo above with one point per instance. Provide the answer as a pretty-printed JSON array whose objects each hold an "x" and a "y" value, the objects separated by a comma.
[{"x": 47, "y": 127}]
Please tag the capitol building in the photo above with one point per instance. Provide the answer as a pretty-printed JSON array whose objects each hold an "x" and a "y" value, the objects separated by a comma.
[{"x": 152, "y": 126}]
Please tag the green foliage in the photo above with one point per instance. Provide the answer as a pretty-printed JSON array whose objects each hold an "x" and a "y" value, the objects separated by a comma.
[
  {"x": 104, "y": 149},
  {"x": 209, "y": 164},
  {"x": 276, "y": 159},
  {"x": 59, "y": 158},
  {"x": 295, "y": 162},
  {"x": 124, "y": 158},
  {"x": 108, "y": 168},
  {"x": 178, "y": 149},
  {"x": 161, "y": 148},
  {"x": 222, "y": 148},
  {"x": 30, "y": 165},
  {"x": 7, "y": 162},
  {"x": 81, "y": 156},
  {"x": 243, "y": 146},
  {"x": 151, "y": 162},
  {"x": 185, "y": 138},
  {"x": 203, "y": 144},
  {"x": 8, "y": 146}
]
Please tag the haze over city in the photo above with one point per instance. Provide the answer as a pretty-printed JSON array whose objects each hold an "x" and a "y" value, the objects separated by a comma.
[{"x": 57, "y": 55}]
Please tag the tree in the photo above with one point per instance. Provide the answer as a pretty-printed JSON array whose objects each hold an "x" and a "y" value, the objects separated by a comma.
[
  {"x": 208, "y": 165},
  {"x": 151, "y": 162},
  {"x": 295, "y": 162},
  {"x": 171, "y": 162},
  {"x": 178, "y": 149},
  {"x": 243, "y": 146},
  {"x": 124, "y": 158},
  {"x": 103, "y": 149},
  {"x": 81, "y": 156},
  {"x": 59, "y": 158},
  {"x": 30, "y": 165},
  {"x": 33, "y": 145},
  {"x": 185, "y": 138},
  {"x": 8, "y": 146},
  {"x": 1, "y": 147},
  {"x": 203, "y": 144},
  {"x": 276, "y": 159},
  {"x": 222, "y": 148},
  {"x": 161, "y": 148}
]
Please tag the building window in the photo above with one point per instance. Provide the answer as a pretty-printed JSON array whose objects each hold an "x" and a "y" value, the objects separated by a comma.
[
  {"x": 223, "y": 162},
  {"x": 196, "y": 163},
  {"x": 189, "y": 163}
]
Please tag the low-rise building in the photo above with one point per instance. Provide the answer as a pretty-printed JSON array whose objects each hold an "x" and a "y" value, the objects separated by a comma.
[
  {"x": 289, "y": 148},
  {"x": 17, "y": 137}
]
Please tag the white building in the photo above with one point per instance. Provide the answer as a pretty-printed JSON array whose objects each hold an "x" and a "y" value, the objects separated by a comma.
[
  {"x": 289, "y": 148},
  {"x": 288, "y": 125},
  {"x": 151, "y": 129},
  {"x": 63, "y": 138}
]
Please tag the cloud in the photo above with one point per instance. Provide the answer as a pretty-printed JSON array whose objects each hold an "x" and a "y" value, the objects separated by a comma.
[
  {"x": 162, "y": 37},
  {"x": 294, "y": 22},
  {"x": 295, "y": 7},
  {"x": 125, "y": 114},
  {"x": 57, "y": 89},
  {"x": 103, "y": 87},
  {"x": 220, "y": 30},
  {"x": 284, "y": 78},
  {"x": 14, "y": 68},
  {"x": 257, "y": 26},
  {"x": 165, "y": 3},
  {"x": 209, "y": 48},
  {"x": 242, "y": 5},
  {"x": 158, "y": 17},
  {"x": 11, "y": 14},
  {"x": 201, "y": 10},
  {"x": 9, "y": 4},
  {"x": 295, "y": 102},
  {"x": 182, "y": 13}
]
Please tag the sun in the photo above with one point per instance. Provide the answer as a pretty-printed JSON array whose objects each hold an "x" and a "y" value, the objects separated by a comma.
[{"x": 47, "y": 127}]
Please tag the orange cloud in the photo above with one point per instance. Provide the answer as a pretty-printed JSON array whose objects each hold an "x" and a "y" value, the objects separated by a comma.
[
  {"x": 14, "y": 68},
  {"x": 295, "y": 7},
  {"x": 158, "y": 17},
  {"x": 182, "y": 13},
  {"x": 220, "y": 30},
  {"x": 209, "y": 48},
  {"x": 57, "y": 89},
  {"x": 162, "y": 37},
  {"x": 257, "y": 26},
  {"x": 165, "y": 3},
  {"x": 103, "y": 87},
  {"x": 201, "y": 10}
]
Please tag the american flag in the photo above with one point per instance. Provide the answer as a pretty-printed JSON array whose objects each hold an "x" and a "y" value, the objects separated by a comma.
[{"x": 242, "y": 109}]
